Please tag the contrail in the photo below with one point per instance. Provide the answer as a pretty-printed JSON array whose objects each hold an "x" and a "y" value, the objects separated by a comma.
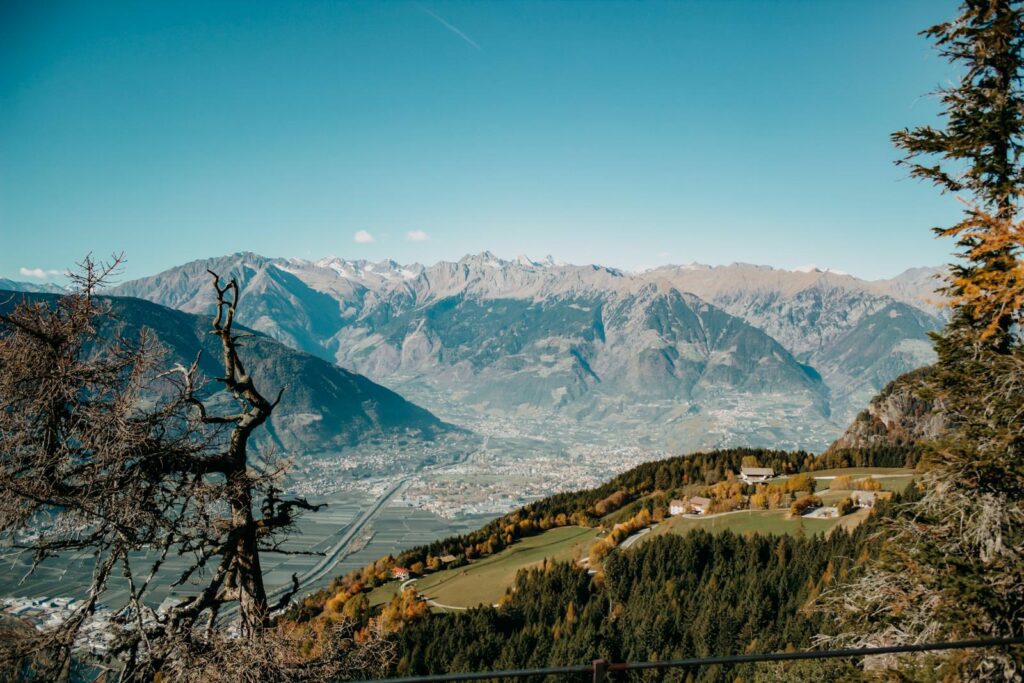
[{"x": 451, "y": 28}]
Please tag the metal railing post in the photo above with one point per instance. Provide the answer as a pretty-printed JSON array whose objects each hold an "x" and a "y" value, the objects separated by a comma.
[{"x": 600, "y": 669}]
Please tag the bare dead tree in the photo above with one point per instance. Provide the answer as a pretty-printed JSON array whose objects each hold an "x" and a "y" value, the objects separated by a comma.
[
  {"x": 238, "y": 576},
  {"x": 90, "y": 461},
  {"x": 277, "y": 654}
]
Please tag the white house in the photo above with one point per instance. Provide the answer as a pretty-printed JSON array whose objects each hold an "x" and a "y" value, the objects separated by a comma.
[
  {"x": 864, "y": 499},
  {"x": 756, "y": 475},
  {"x": 677, "y": 507},
  {"x": 400, "y": 573}
]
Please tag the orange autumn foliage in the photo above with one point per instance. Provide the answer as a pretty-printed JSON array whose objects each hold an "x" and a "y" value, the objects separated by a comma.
[{"x": 991, "y": 295}]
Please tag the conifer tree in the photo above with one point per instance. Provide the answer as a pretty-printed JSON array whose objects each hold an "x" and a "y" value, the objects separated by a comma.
[
  {"x": 953, "y": 561},
  {"x": 977, "y": 156}
]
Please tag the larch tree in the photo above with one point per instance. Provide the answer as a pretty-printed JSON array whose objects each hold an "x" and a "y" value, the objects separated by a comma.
[
  {"x": 977, "y": 156},
  {"x": 105, "y": 450},
  {"x": 952, "y": 561}
]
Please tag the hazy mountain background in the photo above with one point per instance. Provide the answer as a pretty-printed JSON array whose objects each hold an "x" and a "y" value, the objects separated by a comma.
[
  {"x": 679, "y": 357},
  {"x": 15, "y": 286},
  {"x": 324, "y": 407}
]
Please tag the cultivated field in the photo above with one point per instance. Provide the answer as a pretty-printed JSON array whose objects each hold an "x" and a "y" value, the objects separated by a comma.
[
  {"x": 69, "y": 575},
  {"x": 394, "y": 528},
  {"x": 895, "y": 482}
]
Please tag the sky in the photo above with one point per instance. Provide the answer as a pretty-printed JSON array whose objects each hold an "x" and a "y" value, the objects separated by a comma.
[{"x": 628, "y": 134}]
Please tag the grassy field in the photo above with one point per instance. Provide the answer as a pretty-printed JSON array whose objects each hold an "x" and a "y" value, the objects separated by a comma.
[
  {"x": 831, "y": 496},
  {"x": 898, "y": 484},
  {"x": 484, "y": 581},
  {"x": 743, "y": 522},
  {"x": 383, "y": 594}
]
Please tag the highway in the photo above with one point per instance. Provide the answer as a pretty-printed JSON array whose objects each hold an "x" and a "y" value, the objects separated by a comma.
[
  {"x": 333, "y": 555},
  {"x": 337, "y": 551}
]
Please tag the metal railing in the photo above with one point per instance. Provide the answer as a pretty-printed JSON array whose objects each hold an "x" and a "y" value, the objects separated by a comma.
[{"x": 600, "y": 668}]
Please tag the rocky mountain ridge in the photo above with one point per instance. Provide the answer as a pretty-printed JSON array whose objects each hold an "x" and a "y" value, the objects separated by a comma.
[
  {"x": 703, "y": 352},
  {"x": 16, "y": 286}
]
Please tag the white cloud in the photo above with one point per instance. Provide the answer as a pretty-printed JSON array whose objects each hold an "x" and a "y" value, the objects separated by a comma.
[
  {"x": 38, "y": 273},
  {"x": 363, "y": 237},
  {"x": 417, "y": 236}
]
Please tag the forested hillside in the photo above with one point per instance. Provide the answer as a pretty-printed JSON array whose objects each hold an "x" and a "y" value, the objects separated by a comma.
[
  {"x": 690, "y": 596},
  {"x": 674, "y": 596}
]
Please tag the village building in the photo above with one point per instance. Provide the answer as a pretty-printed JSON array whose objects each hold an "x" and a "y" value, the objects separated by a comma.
[
  {"x": 448, "y": 559},
  {"x": 864, "y": 499},
  {"x": 677, "y": 507},
  {"x": 756, "y": 475},
  {"x": 400, "y": 573},
  {"x": 700, "y": 505}
]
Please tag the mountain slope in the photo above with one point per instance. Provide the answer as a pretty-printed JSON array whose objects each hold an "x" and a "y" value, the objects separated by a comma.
[
  {"x": 324, "y": 406},
  {"x": 880, "y": 346},
  {"x": 551, "y": 353},
  {"x": 859, "y": 335},
  {"x": 805, "y": 311}
]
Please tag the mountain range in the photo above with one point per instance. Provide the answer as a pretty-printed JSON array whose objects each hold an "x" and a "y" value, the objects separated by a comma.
[
  {"x": 17, "y": 286},
  {"x": 679, "y": 356}
]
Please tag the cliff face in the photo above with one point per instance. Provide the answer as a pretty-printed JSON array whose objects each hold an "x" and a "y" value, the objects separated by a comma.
[{"x": 898, "y": 415}]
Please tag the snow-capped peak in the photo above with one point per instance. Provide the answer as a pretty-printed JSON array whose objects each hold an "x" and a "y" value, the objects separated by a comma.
[{"x": 811, "y": 268}]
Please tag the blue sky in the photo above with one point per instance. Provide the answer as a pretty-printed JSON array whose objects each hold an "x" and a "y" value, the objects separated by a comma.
[{"x": 628, "y": 134}]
